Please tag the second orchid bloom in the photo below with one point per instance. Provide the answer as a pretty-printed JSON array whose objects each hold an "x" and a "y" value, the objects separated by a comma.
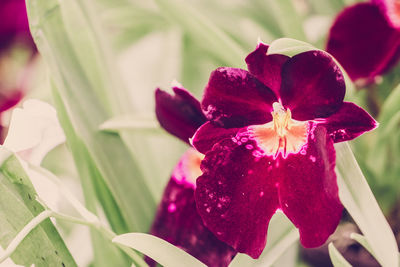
[{"x": 267, "y": 135}]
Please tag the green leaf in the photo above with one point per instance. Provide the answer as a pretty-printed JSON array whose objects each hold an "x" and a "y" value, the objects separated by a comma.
[
  {"x": 337, "y": 259},
  {"x": 95, "y": 191},
  {"x": 78, "y": 58},
  {"x": 204, "y": 31},
  {"x": 359, "y": 201},
  {"x": 43, "y": 246},
  {"x": 289, "y": 47},
  {"x": 363, "y": 241},
  {"x": 289, "y": 21},
  {"x": 141, "y": 123},
  {"x": 158, "y": 249},
  {"x": 281, "y": 236},
  {"x": 390, "y": 106}
]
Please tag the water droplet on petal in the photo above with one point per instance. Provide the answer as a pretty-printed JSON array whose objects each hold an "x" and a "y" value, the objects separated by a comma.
[{"x": 171, "y": 207}]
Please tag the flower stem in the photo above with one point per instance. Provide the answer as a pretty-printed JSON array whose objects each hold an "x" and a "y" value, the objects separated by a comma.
[
  {"x": 24, "y": 232},
  {"x": 106, "y": 232}
]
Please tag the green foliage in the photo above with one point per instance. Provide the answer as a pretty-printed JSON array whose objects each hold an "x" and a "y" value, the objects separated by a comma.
[
  {"x": 18, "y": 205},
  {"x": 158, "y": 249}
]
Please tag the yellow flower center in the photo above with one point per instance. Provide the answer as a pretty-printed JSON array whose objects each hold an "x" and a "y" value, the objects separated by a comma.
[{"x": 282, "y": 135}]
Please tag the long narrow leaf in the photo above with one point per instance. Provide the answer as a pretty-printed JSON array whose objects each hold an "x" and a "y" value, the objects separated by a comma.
[
  {"x": 359, "y": 201},
  {"x": 158, "y": 249},
  {"x": 18, "y": 206},
  {"x": 88, "y": 106}
]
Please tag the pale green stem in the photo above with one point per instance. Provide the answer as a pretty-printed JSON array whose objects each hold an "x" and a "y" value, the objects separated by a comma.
[
  {"x": 106, "y": 232},
  {"x": 24, "y": 232}
]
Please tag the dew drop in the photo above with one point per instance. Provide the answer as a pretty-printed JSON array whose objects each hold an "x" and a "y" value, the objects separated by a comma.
[
  {"x": 171, "y": 207},
  {"x": 208, "y": 209},
  {"x": 249, "y": 147},
  {"x": 312, "y": 158},
  {"x": 261, "y": 193}
]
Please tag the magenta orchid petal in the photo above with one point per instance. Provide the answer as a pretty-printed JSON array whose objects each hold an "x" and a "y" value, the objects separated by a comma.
[
  {"x": 308, "y": 190},
  {"x": 391, "y": 9},
  {"x": 10, "y": 99},
  {"x": 235, "y": 98},
  {"x": 312, "y": 85},
  {"x": 348, "y": 123},
  {"x": 178, "y": 222},
  {"x": 265, "y": 68},
  {"x": 179, "y": 114},
  {"x": 209, "y": 134},
  {"x": 236, "y": 195},
  {"x": 363, "y": 40},
  {"x": 14, "y": 23}
]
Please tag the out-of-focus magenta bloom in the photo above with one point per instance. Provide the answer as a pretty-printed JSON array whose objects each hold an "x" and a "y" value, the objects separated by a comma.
[
  {"x": 269, "y": 146},
  {"x": 365, "y": 38},
  {"x": 14, "y": 24},
  {"x": 177, "y": 220}
]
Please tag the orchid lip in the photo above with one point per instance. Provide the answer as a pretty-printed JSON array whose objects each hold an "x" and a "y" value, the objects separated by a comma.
[{"x": 283, "y": 135}]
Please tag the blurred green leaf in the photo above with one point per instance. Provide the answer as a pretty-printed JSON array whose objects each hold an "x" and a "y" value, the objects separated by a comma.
[
  {"x": 200, "y": 28},
  {"x": 337, "y": 259},
  {"x": 18, "y": 206},
  {"x": 390, "y": 106},
  {"x": 359, "y": 201},
  {"x": 95, "y": 191},
  {"x": 281, "y": 236},
  {"x": 288, "y": 18},
  {"x": 81, "y": 69},
  {"x": 143, "y": 123},
  {"x": 158, "y": 249}
]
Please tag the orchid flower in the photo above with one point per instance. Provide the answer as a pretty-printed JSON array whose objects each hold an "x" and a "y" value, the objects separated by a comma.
[
  {"x": 365, "y": 38},
  {"x": 268, "y": 147},
  {"x": 177, "y": 220}
]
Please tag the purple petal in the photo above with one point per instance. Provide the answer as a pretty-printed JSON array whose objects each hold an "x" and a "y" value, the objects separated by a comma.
[
  {"x": 209, "y": 134},
  {"x": 312, "y": 85},
  {"x": 179, "y": 114},
  {"x": 236, "y": 195},
  {"x": 177, "y": 220},
  {"x": 348, "y": 123},
  {"x": 235, "y": 98},
  {"x": 391, "y": 8},
  {"x": 266, "y": 68},
  {"x": 9, "y": 99},
  {"x": 363, "y": 40},
  {"x": 308, "y": 190},
  {"x": 14, "y": 23}
]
